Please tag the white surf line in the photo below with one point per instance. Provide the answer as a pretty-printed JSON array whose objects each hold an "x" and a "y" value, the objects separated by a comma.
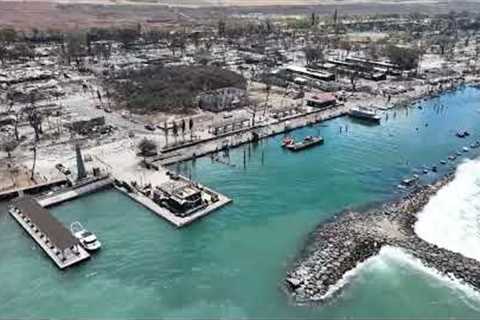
[
  {"x": 349, "y": 276},
  {"x": 401, "y": 256},
  {"x": 451, "y": 219}
]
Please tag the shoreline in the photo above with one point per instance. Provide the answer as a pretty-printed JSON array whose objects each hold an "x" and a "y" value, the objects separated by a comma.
[
  {"x": 262, "y": 132},
  {"x": 337, "y": 247},
  {"x": 295, "y": 122}
]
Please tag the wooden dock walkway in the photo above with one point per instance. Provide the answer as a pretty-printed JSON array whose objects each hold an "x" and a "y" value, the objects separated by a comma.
[{"x": 56, "y": 240}]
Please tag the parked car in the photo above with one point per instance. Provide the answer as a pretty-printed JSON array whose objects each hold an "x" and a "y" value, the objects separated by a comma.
[
  {"x": 60, "y": 167},
  {"x": 150, "y": 127}
]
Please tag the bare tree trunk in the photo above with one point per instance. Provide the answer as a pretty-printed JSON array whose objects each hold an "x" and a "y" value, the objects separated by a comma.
[
  {"x": 15, "y": 129},
  {"x": 34, "y": 162},
  {"x": 166, "y": 135}
]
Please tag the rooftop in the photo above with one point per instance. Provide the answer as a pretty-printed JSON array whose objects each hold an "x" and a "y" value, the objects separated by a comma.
[
  {"x": 60, "y": 236},
  {"x": 180, "y": 188},
  {"x": 322, "y": 97}
]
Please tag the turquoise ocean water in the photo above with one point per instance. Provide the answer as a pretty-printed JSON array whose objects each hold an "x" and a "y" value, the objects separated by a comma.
[{"x": 231, "y": 263}]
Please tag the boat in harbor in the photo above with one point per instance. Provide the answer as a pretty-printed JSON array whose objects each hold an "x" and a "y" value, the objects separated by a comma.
[
  {"x": 409, "y": 182},
  {"x": 287, "y": 141},
  {"x": 307, "y": 142},
  {"x": 87, "y": 239},
  {"x": 462, "y": 134},
  {"x": 364, "y": 113}
]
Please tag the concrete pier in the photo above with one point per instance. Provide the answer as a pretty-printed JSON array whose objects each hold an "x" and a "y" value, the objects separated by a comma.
[
  {"x": 176, "y": 220},
  {"x": 211, "y": 145}
]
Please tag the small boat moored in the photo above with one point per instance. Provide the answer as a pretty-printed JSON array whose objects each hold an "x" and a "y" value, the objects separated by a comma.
[
  {"x": 87, "y": 239},
  {"x": 462, "y": 134},
  {"x": 307, "y": 142},
  {"x": 409, "y": 182},
  {"x": 287, "y": 141},
  {"x": 364, "y": 113}
]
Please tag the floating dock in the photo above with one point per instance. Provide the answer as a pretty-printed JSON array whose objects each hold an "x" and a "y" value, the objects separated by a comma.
[{"x": 51, "y": 235}]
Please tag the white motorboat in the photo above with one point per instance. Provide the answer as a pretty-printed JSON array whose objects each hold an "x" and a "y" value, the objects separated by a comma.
[
  {"x": 364, "y": 113},
  {"x": 87, "y": 239}
]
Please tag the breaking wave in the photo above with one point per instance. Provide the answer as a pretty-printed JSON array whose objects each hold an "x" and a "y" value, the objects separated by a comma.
[
  {"x": 389, "y": 257},
  {"x": 349, "y": 276},
  {"x": 392, "y": 255},
  {"x": 451, "y": 219}
]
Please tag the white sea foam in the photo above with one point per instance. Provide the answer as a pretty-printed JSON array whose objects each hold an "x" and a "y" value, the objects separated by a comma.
[
  {"x": 398, "y": 256},
  {"x": 348, "y": 276},
  {"x": 451, "y": 219},
  {"x": 389, "y": 257}
]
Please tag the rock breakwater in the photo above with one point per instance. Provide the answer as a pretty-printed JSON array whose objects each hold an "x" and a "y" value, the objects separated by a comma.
[{"x": 338, "y": 246}]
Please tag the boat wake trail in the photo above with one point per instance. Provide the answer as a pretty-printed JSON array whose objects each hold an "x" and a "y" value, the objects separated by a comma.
[{"x": 451, "y": 219}]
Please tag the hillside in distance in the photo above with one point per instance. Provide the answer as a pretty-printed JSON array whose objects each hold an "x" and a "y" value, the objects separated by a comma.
[{"x": 71, "y": 15}]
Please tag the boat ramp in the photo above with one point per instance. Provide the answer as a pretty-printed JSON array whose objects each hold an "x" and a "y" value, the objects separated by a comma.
[
  {"x": 34, "y": 189},
  {"x": 51, "y": 235},
  {"x": 79, "y": 189}
]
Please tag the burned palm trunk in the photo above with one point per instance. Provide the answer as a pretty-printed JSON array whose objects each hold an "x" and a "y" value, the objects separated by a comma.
[
  {"x": 15, "y": 128},
  {"x": 81, "y": 172},
  {"x": 34, "y": 119},
  {"x": 32, "y": 177}
]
